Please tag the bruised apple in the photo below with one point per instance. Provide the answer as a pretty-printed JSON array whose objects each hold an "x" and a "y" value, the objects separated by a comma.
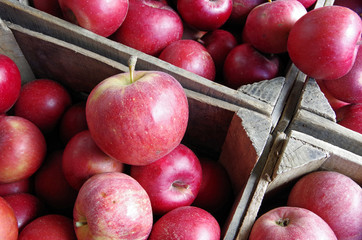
[{"x": 137, "y": 117}]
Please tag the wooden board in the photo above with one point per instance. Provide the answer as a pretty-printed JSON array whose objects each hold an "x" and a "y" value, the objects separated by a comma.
[
  {"x": 293, "y": 156},
  {"x": 214, "y": 125}
]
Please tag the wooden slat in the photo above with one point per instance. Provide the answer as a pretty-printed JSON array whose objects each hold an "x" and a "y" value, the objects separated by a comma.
[{"x": 10, "y": 48}]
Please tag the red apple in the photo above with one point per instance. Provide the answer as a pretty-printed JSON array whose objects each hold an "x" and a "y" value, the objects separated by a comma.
[
  {"x": 190, "y": 55},
  {"x": 205, "y": 15},
  {"x": 102, "y": 17},
  {"x": 43, "y": 102},
  {"x": 8, "y": 222},
  {"x": 219, "y": 43},
  {"x": 26, "y": 207},
  {"x": 82, "y": 159},
  {"x": 72, "y": 122},
  {"x": 350, "y": 117},
  {"x": 268, "y": 25},
  {"x": 216, "y": 190},
  {"x": 186, "y": 222},
  {"x": 22, "y": 149},
  {"x": 112, "y": 206},
  {"x": 49, "y": 6},
  {"x": 349, "y": 87},
  {"x": 240, "y": 11},
  {"x": 284, "y": 223},
  {"x": 51, "y": 226},
  {"x": 149, "y": 27},
  {"x": 323, "y": 43},
  {"x": 21, "y": 186},
  {"x": 10, "y": 83},
  {"x": 171, "y": 181},
  {"x": 335, "y": 197},
  {"x": 245, "y": 65},
  {"x": 51, "y": 186},
  {"x": 137, "y": 117},
  {"x": 334, "y": 102}
]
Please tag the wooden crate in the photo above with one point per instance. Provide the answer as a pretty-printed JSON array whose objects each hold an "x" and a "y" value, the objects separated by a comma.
[
  {"x": 267, "y": 97},
  {"x": 236, "y": 136},
  {"x": 294, "y": 155}
]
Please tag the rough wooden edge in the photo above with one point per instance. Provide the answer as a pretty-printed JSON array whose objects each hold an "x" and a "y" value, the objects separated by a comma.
[
  {"x": 10, "y": 48},
  {"x": 326, "y": 130}
]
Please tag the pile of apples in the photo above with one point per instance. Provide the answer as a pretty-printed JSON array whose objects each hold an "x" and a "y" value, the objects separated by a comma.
[
  {"x": 110, "y": 165},
  {"x": 238, "y": 42},
  {"x": 320, "y": 205}
]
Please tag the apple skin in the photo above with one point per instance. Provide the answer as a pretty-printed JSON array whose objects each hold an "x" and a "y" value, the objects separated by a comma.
[
  {"x": 82, "y": 159},
  {"x": 349, "y": 87},
  {"x": 22, "y": 149},
  {"x": 10, "y": 83},
  {"x": 8, "y": 222},
  {"x": 43, "y": 102},
  {"x": 102, "y": 17},
  {"x": 286, "y": 223},
  {"x": 216, "y": 191},
  {"x": 219, "y": 43},
  {"x": 240, "y": 11},
  {"x": 112, "y": 206},
  {"x": 268, "y": 25},
  {"x": 187, "y": 222},
  {"x": 139, "y": 122},
  {"x": 51, "y": 187},
  {"x": 334, "y": 102},
  {"x": 50, "y": 226},
  {"x": 308, "y": 3},
  {"x": 350, "y": 116},
  {"x": 149, "y": 27},
  {"x": 190, "y": 55},
  {"x": 172, "y": 181},
  {"x": 245, "y": 65},
  {"x": 333, "y": 196},
  {"x": 49, "y": 6},
  {"x": 26, "y": 207},
  {"x": 21, "y": 186},
  {"x": 323, "y": 42},
  {"x": 72, "y": 122},
  {"x": 205, "y": 15}
]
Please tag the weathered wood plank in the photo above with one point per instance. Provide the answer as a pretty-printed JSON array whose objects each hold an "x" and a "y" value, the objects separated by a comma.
[
  {"x": 326, "y": 130},
  {"x": 10, "y": 48}
]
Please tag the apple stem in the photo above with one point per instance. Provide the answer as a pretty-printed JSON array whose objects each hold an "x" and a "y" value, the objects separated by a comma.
[
  {"x": 283, "y": 222},
  {"x": 80, "y": 223},
  {"x": 132, "y": 65}
]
